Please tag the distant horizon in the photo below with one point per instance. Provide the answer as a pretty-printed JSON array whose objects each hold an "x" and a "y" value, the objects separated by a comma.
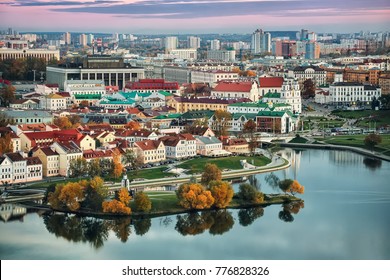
[{"x": 154, "y": 17}]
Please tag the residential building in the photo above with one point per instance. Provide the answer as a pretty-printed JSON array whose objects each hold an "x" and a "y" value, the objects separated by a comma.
[
  {"x": 276, "y": 122},
  {"x": 6, "y": 176},
  {"x": 89, "y": 90},
  {"x": 313, "y": 50},
  {"x": 29, "y": 116},
  {"x": 261, "y": 42},
  {"x": 46, "y": 54},
  {"x": 193, "y": 42},
  {"x": 235, "y": 90},
  {"x": 25, "y": 104},
  {"x": 213, "y": 76},
  {"x": 184, "y": 104},
  {"x": 384, "y": 83},
  {"x": 209, "y": 146},
  {"x": 352, "y": 94},
  {"x": 179, "y": 146},
  {"x": 185, "y": 54},
  {"x": 34, "y": 169},
  {"x": 315, "y": 73},
  {"x": 322, "y": 97},
  {"x": 215, "y": 45},
  {"x": 171, "y": 43},
  {"x": 222, "y": 55},
  {"x": 255, "y": 107},
  {"x": 19, "y": 167},
  {"x": 53, "y": 102},
  {"x": 150, "y": 150},
  {"x": 50, "y": 161},
  {"x": 153, "y": 85},
  {"x": 236, "y": 146},
  {"x": 67, "y": 152}
]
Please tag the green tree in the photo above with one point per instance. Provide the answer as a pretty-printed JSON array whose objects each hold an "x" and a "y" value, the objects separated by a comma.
[
  {"x": 142, "y": 202},
  {"x": 132, "y": 159},
  {"x": 211, "y": 173},
  {"x": 308, "y": 89},
  {"x": 142, "y": 226},
  {"x": 284, "y": 185},
  {"x": 7, "y": 95},
  {"x": 94, "y": 168},
  {"x": 78, "y": 167},
  {"x": 250, "y": 129},
  {"x": 250, "y": 194},
  {"x": 372, "y": 140}
]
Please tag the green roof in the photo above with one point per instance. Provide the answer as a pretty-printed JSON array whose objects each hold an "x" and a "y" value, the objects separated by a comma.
[
  {"x": 250, "y": 104},
  {"x": 87, "y": 96},
  {"x": 236, "y": 116},
  {"x": 271, "y": 113},
  {"x": 130, "y": 102},
  {"x": 169, "y": 116},
  {"x": 165, "y": 93},
  {"x": 272, "y": 95},
  {"x": 129, "y": 95}
]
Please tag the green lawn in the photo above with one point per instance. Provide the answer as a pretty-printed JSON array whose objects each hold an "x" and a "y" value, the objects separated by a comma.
[
  {"x": 298, "y": 140},
  {"x": 197, "y": 165},
  {"x": 357, "y": 141},
  {"x": 162, "y": 201},
  {"x": 150, "y": 173},
  {"x": 368, "y": 118}
]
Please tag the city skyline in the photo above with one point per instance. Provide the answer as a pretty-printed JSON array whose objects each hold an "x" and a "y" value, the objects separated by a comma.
[{"x": 195, "y": 16}]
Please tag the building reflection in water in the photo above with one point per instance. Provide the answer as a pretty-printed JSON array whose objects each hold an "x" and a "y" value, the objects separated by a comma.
[
  {"x": 345, "y": 158},
  {"x": 12, "y": 212}
]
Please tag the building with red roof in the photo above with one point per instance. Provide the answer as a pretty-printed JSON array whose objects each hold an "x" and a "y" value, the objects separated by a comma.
[
  {"x": 270, "y": 84},
  {"x": 236, "y": 90},
  {"x": 152, "y": 85}
]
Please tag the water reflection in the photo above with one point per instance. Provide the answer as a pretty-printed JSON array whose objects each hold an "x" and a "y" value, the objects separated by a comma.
[
  {"x": 12, "y": 212},
  {"x": 372, "y": 163},
  {"x": 290, "y": 208},
  {"x": 247, "y": 216},
  {"x": 217, "y": 222}
]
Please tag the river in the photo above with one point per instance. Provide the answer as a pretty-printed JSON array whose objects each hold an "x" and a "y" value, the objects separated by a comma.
[{"x": 345, "y": 216}]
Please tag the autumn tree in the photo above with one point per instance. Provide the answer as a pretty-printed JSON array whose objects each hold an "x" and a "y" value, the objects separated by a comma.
[
  {"x": 194, "y": 196},
  {"x": 249, "y": 130},
  {"x": 95, "y": 193},
  {"x": 63, "y": 122},
  {"x": 371, "y": 140},
  {"x": 6, "y": 143},
  {"x": 142, "y": 202},
  {"x": 132, "y": 159},
  {"x": 142, "y": 226},
  {"x": 211, "y": 173},
  {"x": 250, "y": 194},
  {"x": 84, "y": 103},
  {"x": 133, "y": 125},
  {"x": 117, "y": 167},
  {"x": 68, "y": 196},
  {"x": 291, "y": 186},
  {"x": 7, "y": 95},
  {"x": 222, "y": 193},
  {"x": 119, "y": 204},
  {"x": 285, "y": 184},
  {"x": 221, "y": 122},
  {"x": 75, "y": 120},
  {"x": 94, "y": 167},
  {"x": 223, "y": 222},
  {"x": 308, "y": 89},
  {"x": 4, "y": 120}
]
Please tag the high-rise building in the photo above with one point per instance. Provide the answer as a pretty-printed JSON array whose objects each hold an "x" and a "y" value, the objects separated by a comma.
[
  {"x": 215, "y": 45},
  {"x": 193, "y": 42},
  {"x": 90, "y": 39},
  {"x": 304, "y": 33},
  {"x": 261, "y": 42},
  {"x": 67, "y": 38},
  {"x": 171, "y": 43},
  {"x": 83, "y": 40},
  {"x": 312, "y": 50}
]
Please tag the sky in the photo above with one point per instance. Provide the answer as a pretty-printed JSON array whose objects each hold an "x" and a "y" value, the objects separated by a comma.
[{"x": 195, "y": 16}]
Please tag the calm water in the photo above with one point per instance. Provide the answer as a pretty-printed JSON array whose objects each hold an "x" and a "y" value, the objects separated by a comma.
[{"x": 345, "y": 216}]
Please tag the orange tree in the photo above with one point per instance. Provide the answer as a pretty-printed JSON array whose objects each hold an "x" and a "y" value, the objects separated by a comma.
[
  {"x": 222, "y": 193},
  {"x": 119, "y": 204},
  {"x": 194, "y": 196},
  {"x": 142, "y": 202},
  {"x": 68, "y": 196}
]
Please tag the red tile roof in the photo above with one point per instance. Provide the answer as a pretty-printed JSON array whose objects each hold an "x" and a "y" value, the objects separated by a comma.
[
  {"x": 145, "y": 84},
  {"x": 33, "y": 160},
  {"x": 271, "y": 82},
  {"x": 234, "y": 86},
  {"x": 148, "y": 144},
  {"x": 48, "y": 151}
]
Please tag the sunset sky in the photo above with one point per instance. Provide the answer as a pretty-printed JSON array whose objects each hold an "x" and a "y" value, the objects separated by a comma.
[{"x": 195, "y": 16}]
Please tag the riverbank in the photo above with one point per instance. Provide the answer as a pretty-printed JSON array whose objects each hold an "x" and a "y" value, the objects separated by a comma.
[
  {"x": 337, "y": 147},
  {"x": 269, "y": 199}
]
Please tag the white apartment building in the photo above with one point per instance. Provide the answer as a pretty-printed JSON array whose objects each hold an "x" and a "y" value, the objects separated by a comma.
[
  {"x": 90, "y": 90},
  {"x": 179, "y": 146},
  {"x": 208, "y": 146},
  {"x": 150, "y": 150},
  {"x": 222, "y": 55},
  {"x": 171, "y": 43},
  {"x": 53, "y": 102},
  {"x": 212, "y": 77},
  {"x": 186, "y": 54},
  {"x": 46, "y": 54},
  {"x": 215, "y": 45}
]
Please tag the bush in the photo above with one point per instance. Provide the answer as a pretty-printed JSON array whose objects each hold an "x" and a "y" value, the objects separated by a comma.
[
  {"x": 142, "y": 202},
  {"x": 248, "y": 193}
]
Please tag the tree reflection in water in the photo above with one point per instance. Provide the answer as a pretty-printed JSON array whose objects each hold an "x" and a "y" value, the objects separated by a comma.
[
  {"x": 93, "y": 230},
  {"x": 289, "y": 209},
  {"x": 217, "y": 222},
  {"x": 247, "y": 216},
  {"x": 372, "y": 163}
]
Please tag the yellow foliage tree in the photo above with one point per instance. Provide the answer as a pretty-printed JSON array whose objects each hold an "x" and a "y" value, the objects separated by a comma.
[
  {"x": 295, "y": 187},
  {"x": 222, "y": 193},
  {"x": 63, "y": 122},
  {"x": 142, "y": 202},
  {"x": 194, "y": 196},
  {"x": 117, "y": 166},
  {"x": 6, "y": 144},
  {"x": 69, "y": 195},
  {"x": 133, "y": 125},
  {"x": 211, "y": 173},
  {"x": 123, "y": 196},
  {"x": 115, "y": 206}
]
